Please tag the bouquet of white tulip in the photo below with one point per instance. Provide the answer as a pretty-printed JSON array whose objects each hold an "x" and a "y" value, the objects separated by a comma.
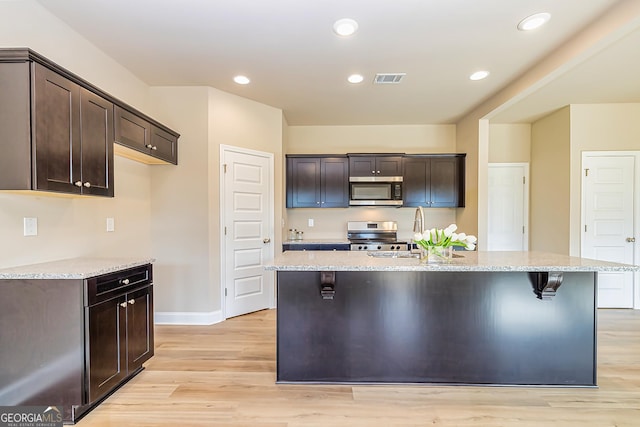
[{"x": 445, "y": 238}]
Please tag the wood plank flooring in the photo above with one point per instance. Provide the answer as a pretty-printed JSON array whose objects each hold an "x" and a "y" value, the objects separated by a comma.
[{"x": 224, "y": 375}]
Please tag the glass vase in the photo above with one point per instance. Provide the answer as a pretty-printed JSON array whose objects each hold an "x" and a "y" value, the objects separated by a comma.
[{"x": 437, "y": 255}]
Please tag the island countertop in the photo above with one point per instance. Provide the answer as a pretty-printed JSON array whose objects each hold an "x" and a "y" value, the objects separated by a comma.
[
  {"x": 74, "y": 268},
  {"x": 464, "y": 261}
]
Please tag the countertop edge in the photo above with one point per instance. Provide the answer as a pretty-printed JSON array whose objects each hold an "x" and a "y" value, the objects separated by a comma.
[{"x": 73, "y": 268}]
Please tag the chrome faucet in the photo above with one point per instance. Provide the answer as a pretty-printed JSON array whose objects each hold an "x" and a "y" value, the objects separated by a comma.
[{"x": 418, "y": 221}]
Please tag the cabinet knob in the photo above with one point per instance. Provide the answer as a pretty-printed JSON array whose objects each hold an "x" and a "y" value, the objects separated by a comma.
[
  {"x": 78, "y": 183},
  {"x": 125, "y": 281},
  {"x": 123, "y": 304},
  {"x": 378, "y": 172},
  {"x": 373, "y": 172},
  {"x": 149, "y": 146},
  {"x": 266, "y": 240},
  {"x": 132, "y": 301},
  {"x": 631, "y": 239},
  {"x": 87, "y": 184},
  {"x": 154, "y": 147}
]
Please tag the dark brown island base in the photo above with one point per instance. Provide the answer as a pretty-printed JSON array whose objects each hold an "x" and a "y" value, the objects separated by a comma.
[{"x": 488, "y": 318}]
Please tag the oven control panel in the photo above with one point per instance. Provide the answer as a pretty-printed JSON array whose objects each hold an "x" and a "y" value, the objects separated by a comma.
[{"x": 373, "y": 246}]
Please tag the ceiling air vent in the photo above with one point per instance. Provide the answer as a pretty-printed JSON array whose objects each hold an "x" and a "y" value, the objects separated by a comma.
[{"x": 388, "y": 78}]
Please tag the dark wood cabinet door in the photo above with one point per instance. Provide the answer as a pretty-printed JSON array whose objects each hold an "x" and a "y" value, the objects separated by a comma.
[
  {"x": 97, "y": 144},
  {"x": 57, "y": 159},
  {"x": 164, "y": 145},
  {"x": 334, "y": 172},
  {"x": 435, "y": 181},
  {"x": 389, "y": 166},
  {"x": 139, "y": 327},
  {"x": 416, "y": 185},
  {"x": 132, "y": 131},
  {"x": 106, "y": 346},
  {"x": 446, "y": 176},
  {"x": 303, "y": 182},
  {"x": 362, "y": 166}
]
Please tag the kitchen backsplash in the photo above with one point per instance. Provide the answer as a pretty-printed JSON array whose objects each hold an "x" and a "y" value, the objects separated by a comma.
[{"x": 332, "y": 223}]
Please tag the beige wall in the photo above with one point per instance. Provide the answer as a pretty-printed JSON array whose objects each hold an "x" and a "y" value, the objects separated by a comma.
[
  {"x": 550, "y": 186},
  {"x": 69, "y": 227},
  {"x": 332, "y": 223},
  {"x": 510, "y": 143},
  {"x": 185, "y": 199},
  {"x": 598, "y": 127}
]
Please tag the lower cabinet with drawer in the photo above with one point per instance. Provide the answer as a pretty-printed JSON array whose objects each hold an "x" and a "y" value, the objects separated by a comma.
[
  {"x": 71, "y": 342},
  {"x": 118, "y": 328}
]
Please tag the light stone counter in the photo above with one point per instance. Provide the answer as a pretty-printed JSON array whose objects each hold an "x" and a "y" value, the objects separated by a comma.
[
  {"x": 465, "y": 261},
  {"x": 74, "y": 268},
  {"x": 313, "y": 241}
]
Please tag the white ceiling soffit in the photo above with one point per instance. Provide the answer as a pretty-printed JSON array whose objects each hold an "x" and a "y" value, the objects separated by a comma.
[{"x": 296, "y": 63}]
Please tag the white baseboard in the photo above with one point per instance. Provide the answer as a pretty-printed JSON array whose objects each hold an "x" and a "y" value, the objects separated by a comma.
[{"x": 187, "y": 318}]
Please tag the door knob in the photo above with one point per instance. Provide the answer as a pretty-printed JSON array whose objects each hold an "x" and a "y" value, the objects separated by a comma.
[
  {"x": 631, "y": 239},
  {"x": 267, "y": 240}
]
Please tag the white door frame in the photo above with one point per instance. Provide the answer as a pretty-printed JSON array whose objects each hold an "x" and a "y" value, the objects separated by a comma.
[
  {"x": 636, "y": 210},
  {"x": 527, "y": 184},
  {"x": 223, "y": 246}
]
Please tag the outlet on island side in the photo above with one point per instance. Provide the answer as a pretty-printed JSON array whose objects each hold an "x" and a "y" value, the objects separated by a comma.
[
  {"x": 310, "y": 222},
  {"x": 110, "y": 225}
]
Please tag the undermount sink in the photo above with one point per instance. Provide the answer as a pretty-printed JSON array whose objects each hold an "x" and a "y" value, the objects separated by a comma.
[
  {"x": 401, "y": 254},
  {"x": 393, "y": 254}
]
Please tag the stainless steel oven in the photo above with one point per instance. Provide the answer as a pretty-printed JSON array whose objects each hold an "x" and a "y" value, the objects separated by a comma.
[{"x": 374, "y": 236}]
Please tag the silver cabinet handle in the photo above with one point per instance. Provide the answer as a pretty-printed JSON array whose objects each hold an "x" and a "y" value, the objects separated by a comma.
[
  {"x": 87, "y": 184},
  {"x": 123, "y": 304},
  {"x": 631, "y": 239},
  {"x": 125, "y": 281},
  {"x": 78, "y": 183},
  {"x": 132, "y": 301},
  {"x": 266, "y": 240}
]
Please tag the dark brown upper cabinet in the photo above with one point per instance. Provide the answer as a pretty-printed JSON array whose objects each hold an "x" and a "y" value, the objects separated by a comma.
[
  {"x": 368, "y": 165},
  {"x": 57, "y": 131},
  {"x": 317, "y": 181},
  {"x": 57, "y": 136},
  {"x": 434, "y": 180},
  {"x": 143, "y": 141}
]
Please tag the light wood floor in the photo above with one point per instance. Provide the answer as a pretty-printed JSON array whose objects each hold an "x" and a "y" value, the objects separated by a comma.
[{"x": 224, "y": 375}]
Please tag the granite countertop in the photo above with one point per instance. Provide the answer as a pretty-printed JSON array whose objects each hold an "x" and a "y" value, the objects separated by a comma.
[
  {"x": 467, "y": 261},
  {"x": 74, "y": 268}
]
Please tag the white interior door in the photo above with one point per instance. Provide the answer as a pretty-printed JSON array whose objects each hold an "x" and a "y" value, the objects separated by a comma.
[
  {"x": 247, "y": 226},
  {"x": 608, "y": 229},
  {"x": 508, "y": 227}
]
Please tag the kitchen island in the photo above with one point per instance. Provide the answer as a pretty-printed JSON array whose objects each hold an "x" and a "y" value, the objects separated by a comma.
[{"x": 490, "y": 318}]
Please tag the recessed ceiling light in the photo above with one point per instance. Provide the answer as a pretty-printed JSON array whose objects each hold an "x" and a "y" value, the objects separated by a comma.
[
  {"x": 479, "y": 75},
  {"x": 355, "y": 78},
  {"x": 345, "y": 27},
  {"x": 534, "y": 21},
  {"x": 242, "y": 80}
]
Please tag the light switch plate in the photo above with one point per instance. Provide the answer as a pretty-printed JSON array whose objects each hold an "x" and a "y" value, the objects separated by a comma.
[
  {"x": 310, "y": 222},
  {"x": 30, "y": 226},
  {"x": 111, "y": 226}
]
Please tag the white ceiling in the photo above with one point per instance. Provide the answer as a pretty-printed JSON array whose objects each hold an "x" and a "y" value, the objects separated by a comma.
[{"x": 298, "y": 64}]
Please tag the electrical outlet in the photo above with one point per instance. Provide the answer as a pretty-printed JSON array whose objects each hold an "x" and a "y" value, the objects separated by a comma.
[
  {"x": 30, "y": 226},
  {"x": 310, "y": 222},
  {"x": 110, "y": 224}
]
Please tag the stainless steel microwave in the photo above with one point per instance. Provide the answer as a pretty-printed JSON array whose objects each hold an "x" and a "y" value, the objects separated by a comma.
[{"x": 382, "y": 192}]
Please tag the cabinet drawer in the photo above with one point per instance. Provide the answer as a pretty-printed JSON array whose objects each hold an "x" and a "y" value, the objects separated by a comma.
[{"x": 102, "y": 288}]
